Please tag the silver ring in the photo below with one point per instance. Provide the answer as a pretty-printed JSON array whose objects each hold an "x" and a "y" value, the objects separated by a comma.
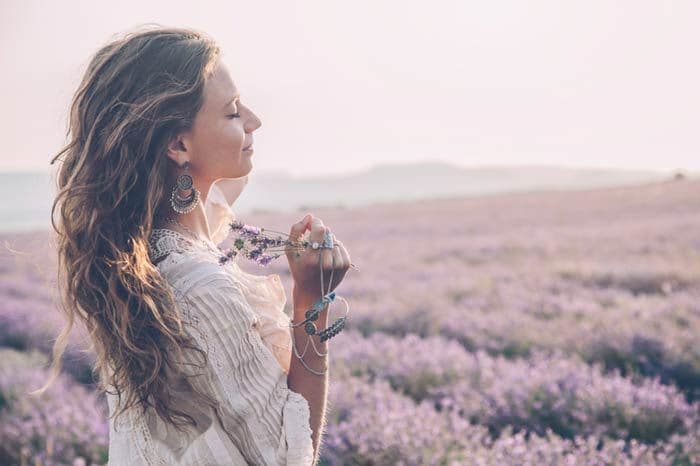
[{"x": 328, "y": 240}]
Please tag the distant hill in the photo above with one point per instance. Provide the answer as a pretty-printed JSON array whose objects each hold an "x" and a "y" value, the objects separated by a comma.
[
  {"x": 25, "y": 198},
  {"x": 388, "y": 183}
]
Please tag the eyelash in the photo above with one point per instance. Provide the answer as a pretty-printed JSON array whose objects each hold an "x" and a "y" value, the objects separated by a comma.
[{"x": 235, "y": 115}]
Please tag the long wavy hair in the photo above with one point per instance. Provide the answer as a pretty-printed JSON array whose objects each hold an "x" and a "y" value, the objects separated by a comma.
[{"x": 138, "y": 92}]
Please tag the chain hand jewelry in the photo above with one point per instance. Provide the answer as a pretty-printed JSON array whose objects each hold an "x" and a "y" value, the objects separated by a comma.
[
  {"x": 305, "y": 279},
  {"x": 313, "y": 313}
]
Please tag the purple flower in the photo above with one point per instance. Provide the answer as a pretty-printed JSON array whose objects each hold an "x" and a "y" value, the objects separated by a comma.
[
  {"x": 264, "y": 260},
  {"x": 250, "y": 230}
]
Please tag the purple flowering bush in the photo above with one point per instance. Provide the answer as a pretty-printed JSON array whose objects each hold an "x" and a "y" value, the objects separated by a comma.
[
  {"x": 542, "y": 392},
  {"x": 531, "y": 329},
  {"x": 65, "y": 423},
  {"x": 370, "y": 423},
  {"x": 569, "y": 397},
  {"x": 411, "y": 364},
  {"x": 27, "y": 323}
]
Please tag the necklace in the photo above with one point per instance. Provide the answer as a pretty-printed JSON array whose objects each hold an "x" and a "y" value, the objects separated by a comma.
[{"x": 195, "y": 237}]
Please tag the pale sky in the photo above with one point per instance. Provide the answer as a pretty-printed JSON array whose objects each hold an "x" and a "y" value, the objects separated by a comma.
[{"x": 341, "y": 86}]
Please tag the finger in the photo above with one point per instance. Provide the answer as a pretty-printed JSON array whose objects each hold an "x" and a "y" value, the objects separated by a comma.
[
  {"x": 344, "y": 254},
  {"x": 330, "y": 259},
  {"x": 327, "y": 253},
  {"x": 334, "y": 252},
  {"x": 339, "y": 263},
  {"x": 297, "y": 231},
  {"x": 299, "y": 228},
  {"x": 318, "y": 231}
]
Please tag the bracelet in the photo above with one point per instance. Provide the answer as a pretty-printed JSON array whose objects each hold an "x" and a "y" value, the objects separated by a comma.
[
  {"x": 312, "y": 313},
  {"x": 325, "y": 334},
  {"x": 315, "y": 310},
  {"x": 301, "y": 356}
]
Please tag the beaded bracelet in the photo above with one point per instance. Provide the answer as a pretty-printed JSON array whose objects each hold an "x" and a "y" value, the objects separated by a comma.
[
  {"x": 330, "y": 331},
  {"x": 312, "y": 314}
]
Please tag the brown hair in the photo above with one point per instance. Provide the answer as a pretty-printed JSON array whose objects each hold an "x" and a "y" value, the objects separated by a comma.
[{"x": 137, "y": 93}]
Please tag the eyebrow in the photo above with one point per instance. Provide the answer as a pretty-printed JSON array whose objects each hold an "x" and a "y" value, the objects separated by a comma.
[{"x": 238, "y": 96}]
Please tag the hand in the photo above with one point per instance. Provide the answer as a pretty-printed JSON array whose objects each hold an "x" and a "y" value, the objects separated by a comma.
[{"x": 305, "y": 268}]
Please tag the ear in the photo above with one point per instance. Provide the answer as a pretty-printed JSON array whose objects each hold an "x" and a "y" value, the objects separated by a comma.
[{"x": 177, "y": 151}]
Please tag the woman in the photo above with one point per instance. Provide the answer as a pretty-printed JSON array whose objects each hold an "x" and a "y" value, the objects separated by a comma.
[{"x": 194, "y": 356}]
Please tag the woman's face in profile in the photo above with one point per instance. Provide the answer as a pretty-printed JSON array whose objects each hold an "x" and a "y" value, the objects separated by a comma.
[{"x": 222, "y": 128}]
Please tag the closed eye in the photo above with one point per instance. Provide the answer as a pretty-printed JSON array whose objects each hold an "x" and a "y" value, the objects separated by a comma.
[{"x": 234, "y": 115}]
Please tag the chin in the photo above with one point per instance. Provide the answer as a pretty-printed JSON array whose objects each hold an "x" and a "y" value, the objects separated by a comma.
[{"x": 243, "y": 170}]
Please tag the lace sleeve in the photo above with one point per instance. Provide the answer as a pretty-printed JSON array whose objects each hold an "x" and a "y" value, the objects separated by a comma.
[{"x": 268, "y": 422}]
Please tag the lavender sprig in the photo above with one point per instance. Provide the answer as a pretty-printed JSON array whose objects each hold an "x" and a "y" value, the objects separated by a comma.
[{"x": 253, "y": 242}]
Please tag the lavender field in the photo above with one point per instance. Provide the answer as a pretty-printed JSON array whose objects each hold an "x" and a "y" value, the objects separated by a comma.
[{"x": 527, "y": 329}]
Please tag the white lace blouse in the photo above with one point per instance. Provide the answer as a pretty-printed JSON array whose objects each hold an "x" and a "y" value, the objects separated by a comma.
[{"x": 239, "y": 319}]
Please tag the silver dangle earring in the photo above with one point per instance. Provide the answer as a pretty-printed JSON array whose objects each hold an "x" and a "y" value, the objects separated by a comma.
[{"x": 183, "y": 205}]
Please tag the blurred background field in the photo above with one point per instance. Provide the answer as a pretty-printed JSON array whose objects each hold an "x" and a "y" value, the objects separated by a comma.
[
  {"x": 519, "y": 183},
  {"x": 544, "y": 327}
]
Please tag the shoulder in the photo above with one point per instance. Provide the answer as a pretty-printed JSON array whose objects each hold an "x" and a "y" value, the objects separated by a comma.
[{"x": 184, "y": 264}]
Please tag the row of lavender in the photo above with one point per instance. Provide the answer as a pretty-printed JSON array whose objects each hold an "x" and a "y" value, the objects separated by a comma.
[
  {"x": 429, "y": 401},
  {"x": 550, "y": 329},
  {"x": 468, "y": 407},
  {"x": 412, "y": 400}
]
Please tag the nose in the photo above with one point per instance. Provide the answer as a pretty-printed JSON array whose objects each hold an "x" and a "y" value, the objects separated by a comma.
[{"x": 253, "y": 122}]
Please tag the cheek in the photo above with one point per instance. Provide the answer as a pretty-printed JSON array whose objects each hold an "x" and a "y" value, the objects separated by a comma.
[{"x": 232, "y": 136}]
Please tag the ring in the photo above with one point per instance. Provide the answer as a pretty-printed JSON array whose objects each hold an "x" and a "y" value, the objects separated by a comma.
[{"x": 328, "y": 240}]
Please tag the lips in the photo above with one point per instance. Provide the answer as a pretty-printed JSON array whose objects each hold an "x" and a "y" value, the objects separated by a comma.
[{"x": 248, "y": 146}]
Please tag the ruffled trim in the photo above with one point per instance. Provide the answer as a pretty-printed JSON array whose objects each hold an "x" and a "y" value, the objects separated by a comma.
[
  {"x": 296, "y": 440},
  {"x": 265, "y": 293},
  {"x": 267, "y": 298}
]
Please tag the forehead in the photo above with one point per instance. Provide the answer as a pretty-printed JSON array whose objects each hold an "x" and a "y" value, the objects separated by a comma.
[{"x": 219, "y": 88}]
